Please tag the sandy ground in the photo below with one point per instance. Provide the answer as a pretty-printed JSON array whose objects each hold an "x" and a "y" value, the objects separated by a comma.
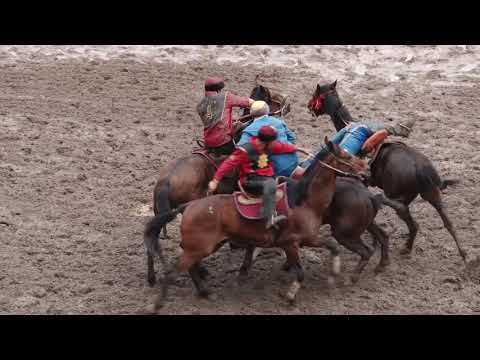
[{"x": 84, "y": 130}]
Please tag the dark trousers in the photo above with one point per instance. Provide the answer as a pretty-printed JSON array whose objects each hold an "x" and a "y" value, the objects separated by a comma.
[
  {"x": 266, "y": 187},
  {"x": 225, "y": 149}
]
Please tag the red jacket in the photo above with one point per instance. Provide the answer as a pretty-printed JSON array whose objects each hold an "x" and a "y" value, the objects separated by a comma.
[
  {"x": 222, "y": 131},
  {"x": 251, "y": 161}
]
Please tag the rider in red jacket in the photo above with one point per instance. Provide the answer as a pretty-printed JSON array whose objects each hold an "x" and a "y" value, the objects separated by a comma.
[
  {"x": 215, "y": 110},
  {"x": 256, "y": 169}
]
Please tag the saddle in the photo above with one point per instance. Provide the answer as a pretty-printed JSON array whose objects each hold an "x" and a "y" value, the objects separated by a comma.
[
  {"x": 376, "y": 150},
  {"x": 215, "y": 159},
  {"x": 250, "y": 207}
]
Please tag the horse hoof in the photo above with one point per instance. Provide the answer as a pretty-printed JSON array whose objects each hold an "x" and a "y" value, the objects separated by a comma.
[
  {"x": 205, "y": 294},
  {"x": 203, "y": 273},
  {"x": 151, "y": 281},
  {"x": 379, "y": 269},
  {"x": 405, "y": 251},
  {"x": 242, "y": 278},
  {"x": 286, "y": 267},
  {"x": 354, "y": 278}
]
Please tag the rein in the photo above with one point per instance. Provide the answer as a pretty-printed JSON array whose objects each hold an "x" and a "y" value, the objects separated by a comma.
[{"x": 338, "y": 171}]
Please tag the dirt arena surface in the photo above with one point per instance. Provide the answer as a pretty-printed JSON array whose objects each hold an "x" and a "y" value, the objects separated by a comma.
[{"x": 84, "y": 131}]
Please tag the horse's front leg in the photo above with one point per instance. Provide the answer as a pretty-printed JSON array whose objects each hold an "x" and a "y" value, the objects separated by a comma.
[
  {"x": 246, "y": 265},
  {"x": 334, "y": 249},
  {"x": 293, "y": 261}
]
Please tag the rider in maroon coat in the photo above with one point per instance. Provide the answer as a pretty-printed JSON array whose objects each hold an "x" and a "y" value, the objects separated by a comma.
[{"x": 215, "y": 110}]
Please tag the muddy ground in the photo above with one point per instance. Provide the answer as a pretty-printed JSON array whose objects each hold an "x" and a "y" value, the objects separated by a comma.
[{"x": 81, "y": 142}]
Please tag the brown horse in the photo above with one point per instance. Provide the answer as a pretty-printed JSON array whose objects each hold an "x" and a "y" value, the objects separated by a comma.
[
  {"x": 209, "y": 222},
  {"x": 402, "y": 172},
  {"x": 187, "y": 178}
]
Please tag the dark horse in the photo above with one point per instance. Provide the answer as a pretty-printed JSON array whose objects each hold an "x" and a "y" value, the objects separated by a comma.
[
  {"x": 187, "y": 178},
  {"x": 402, "y": 172},
  {"x": 209, "y": 222},
  {"x": 351, "y": 213}
]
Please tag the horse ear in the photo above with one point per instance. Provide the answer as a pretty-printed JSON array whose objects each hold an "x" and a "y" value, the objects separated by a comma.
[
  {"x": 333, "y": 85},
  {"x": 327, "y": 142},
  {"x": 317, "y": 90}
]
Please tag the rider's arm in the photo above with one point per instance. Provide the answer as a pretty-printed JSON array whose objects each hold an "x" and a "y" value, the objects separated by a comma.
[
  {"x": 240, "y": 101},
  {"x": 282, "y": 148},
  {"x": 232, "y": 162}
]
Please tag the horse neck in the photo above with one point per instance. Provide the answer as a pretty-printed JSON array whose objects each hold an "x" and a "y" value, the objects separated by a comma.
[
  {"x": 341, "y": 117},
  {"x": 322, "y": 188}
]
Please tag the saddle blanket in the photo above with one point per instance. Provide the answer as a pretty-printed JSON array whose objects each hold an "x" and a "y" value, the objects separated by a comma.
[{"x": 250, "y": 207}]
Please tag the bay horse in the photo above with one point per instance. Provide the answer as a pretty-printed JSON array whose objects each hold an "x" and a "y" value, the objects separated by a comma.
[
  {"x": 209, "y": 222},
  {"x": 187, "y": 178},
  {"x": 399, "y": 170}
]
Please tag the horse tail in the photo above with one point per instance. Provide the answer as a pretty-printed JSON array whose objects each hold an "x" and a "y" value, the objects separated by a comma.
[
  {"x": 155, "y": 225},
  {"x": 448, "y": 182},
  {"x": 427, "y": 177},
  {"x": 161, "y": 200}
]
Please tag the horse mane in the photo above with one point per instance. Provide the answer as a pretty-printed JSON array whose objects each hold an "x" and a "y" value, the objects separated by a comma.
[{"x": 307, "y": 178}]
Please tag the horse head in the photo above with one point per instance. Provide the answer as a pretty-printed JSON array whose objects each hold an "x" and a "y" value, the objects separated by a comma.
[
  {"x": 325, "y": 100},
  {"x": 346, "y": 162}
]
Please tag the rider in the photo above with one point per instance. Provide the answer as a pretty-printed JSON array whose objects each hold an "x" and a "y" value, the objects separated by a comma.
[
  {"x": 352, "y": 137},
  {"x": 215, "y": 110},
  {"x": 284, "y": 164},
  {"x": 256, "y": 170}
]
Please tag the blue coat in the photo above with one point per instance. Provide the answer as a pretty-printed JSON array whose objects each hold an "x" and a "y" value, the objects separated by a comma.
[{"x": 284, "y": 164}]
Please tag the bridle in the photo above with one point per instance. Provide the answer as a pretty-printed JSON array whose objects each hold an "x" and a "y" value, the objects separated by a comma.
[
  {"x": 317, "y": 104},
  {"x": 338, "y": 171}
]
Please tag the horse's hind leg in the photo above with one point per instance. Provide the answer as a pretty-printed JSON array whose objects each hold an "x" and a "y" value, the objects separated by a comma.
[
  {"x": 401, "y": 208},
  {"x": 435, "y": 199},
  {"x": 381, "y": 237},
  {"x": 150, "y": 271},
  {"x": 185, "y": 263},
  {"x": 198, "y": 280}
]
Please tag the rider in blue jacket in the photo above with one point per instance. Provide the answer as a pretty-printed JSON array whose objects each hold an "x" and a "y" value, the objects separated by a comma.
[{"x": 284, "y": 164}]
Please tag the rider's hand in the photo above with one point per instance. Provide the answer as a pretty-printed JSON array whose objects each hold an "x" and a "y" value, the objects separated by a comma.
[{"x": 212, "y": 185}]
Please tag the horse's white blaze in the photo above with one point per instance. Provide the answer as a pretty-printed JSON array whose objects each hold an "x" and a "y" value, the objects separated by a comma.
[{"x": 336, "y": 265}]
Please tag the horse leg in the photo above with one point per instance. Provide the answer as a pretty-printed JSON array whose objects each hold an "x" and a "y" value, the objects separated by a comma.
[
  {"x": 381, "y": 237},
  {"x": 355, "y": 244},
  {"x": 150, "y": 271},
  {"x": 185, "y": 263},
  {"x": 165, "y": 235},
  {"x": 293, "y": 260},
  {"x": 197, "y": 279},
  {"x": 401, "y": 208},
  {"x": 435, "y": 199},
  {"x": 246, "y": 265},
  {"x": 332, "y": 246}
]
